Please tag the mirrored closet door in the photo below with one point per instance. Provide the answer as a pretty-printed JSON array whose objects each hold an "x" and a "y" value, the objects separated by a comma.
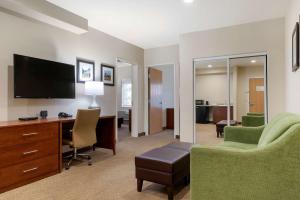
[{"x": 228, "y": 91}]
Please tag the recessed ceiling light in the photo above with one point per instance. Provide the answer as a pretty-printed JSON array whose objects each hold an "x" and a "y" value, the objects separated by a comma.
[
  {"x": 253, "y": 61},
  {"x": 188, "y": 1},
  {"x": 209, "y": 66}
]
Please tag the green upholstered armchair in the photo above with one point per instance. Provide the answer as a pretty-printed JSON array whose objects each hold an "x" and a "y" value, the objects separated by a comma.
[
  {"x": 254, "y": 163},
  {"x": 253, "y": 119}
]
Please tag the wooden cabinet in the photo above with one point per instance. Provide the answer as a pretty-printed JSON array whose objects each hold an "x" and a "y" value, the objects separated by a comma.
[
  {"x": 170, "y": 118},
  {"x": 28, "y": 152},
  {"x": 220, "y": 113}
]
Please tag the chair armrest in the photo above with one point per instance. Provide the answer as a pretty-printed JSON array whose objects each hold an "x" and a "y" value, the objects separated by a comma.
[
  {"x": 249, "y": 135},
  {"x": 253, "y": 121}
]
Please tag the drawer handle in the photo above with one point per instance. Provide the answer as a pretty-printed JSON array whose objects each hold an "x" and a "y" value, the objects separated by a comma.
[
  {"x": 30, "y": 152},
  {"x": 30, "y": 170},
  {"x": 29, "y": 134}
]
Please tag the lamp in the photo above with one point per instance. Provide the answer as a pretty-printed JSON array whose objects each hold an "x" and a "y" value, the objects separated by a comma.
[{"x": 94, "y": 88}]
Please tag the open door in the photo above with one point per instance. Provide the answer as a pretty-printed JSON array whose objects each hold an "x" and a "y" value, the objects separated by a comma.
[
  {"x": 155, "y": 101},
  {"x": 256, "y": 95}
]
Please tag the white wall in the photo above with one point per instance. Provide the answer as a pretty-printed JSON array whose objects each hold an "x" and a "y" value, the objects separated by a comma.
[
  {"x": 123, "y": 73},
  {"x": 161, "y": 56},
  {"x": 292, "y": 78},
  {"x": 167, "y": 89},
  {"x": 43, "y": 41},
  {"x": 265, "y": 36},
  {"x": 211, "y": 85}
]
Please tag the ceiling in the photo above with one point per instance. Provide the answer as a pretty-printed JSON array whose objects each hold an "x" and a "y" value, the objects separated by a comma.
[{"x": 154, "y": 23}]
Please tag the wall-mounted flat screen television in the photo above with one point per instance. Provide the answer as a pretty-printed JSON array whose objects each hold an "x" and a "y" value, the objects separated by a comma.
[{"x": 44, "y": 79}]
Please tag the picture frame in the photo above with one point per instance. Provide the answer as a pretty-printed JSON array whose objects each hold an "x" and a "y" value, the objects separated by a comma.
[
  {"x": 108, "y": 75},
  {"x": 295, "y": 48},
  {"x": 85, "y": 70}
]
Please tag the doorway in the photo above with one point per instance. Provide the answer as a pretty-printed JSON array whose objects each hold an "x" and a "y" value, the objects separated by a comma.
[
  {"x": 126, "y": 100},
  {"x": 225, "y": 90},
  {"x": 160, "y": 85}
]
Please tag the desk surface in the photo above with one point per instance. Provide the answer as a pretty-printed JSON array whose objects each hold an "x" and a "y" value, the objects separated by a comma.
[{"x": 42, "y": 121}]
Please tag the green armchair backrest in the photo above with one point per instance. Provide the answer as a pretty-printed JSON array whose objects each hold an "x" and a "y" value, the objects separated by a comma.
[
  {"x": 277, "y": 126},
  {"x": 255, "y": 114}
]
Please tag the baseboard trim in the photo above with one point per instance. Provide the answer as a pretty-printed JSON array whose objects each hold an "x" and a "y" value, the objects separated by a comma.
[
  {"x": 177, "y": 137},
  {"x": 141, "y": 134}
]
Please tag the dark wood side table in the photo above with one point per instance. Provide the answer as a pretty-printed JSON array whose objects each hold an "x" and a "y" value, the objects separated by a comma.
[
  {"x": 170, "y": 118},
  {"x": 220, "y": 113},
  {"x": 221, "y": 124}
]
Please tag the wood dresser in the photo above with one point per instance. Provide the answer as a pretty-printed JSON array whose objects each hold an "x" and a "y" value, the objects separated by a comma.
[{"x": 30, "y": 151}]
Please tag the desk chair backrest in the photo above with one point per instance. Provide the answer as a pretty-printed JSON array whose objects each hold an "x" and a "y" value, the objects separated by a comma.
[{"x": 84, "y": 129}]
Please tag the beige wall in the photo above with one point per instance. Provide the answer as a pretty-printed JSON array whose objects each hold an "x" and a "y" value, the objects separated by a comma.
[
  {"x": 292, "y": 78},
  {"x": 39, "y": 40},
  {"x": 162, "y": 56},
  {"x": 211, "y": 85},
  {"x": 265, "y": 36}
]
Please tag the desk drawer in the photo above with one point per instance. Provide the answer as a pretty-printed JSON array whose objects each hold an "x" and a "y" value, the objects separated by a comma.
[
  {"x": 10, "y": 136},
  {"x": 26, "y": 152},
  {"x": 28, "y": 171}
]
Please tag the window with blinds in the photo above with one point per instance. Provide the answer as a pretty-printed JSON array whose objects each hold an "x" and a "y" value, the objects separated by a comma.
[{"x": 126, "y": 93}]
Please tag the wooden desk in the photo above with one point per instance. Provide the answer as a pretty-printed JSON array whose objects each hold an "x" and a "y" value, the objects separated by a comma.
[{"x": 32, "y": 150}]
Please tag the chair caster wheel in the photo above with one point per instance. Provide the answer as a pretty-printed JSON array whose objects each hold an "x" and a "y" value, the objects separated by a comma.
[{"x": 89, "y": 163}]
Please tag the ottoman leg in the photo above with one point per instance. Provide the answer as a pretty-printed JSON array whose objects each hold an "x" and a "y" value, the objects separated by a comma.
[
  {"x": 186, "y": 180},
  {"x": 170, "y": 193},
  {"x": 139, "y": 185}
]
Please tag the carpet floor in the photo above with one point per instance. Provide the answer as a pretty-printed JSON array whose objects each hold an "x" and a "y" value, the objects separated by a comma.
[
  {"x": 206, "y": 135},
  {"x": 109, "y": 178}
]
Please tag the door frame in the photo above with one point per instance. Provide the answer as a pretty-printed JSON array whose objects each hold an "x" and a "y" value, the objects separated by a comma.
[
  {"x": 228, "y": 58},
  {"x": 146, "y": 94},
  {"x": 134, "y": 108}
]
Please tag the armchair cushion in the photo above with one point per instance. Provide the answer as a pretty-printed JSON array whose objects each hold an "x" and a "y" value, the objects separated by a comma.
[
  {"x": 238, "y": 145},
  {"x": 277, "y": 127}
]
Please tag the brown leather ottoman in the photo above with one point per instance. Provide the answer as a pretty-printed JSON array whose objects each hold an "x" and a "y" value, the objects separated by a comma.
[{"x": 167, "y": 165}]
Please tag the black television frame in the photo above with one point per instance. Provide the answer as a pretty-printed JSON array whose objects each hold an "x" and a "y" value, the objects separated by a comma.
[{"x": 25, "y": 97}]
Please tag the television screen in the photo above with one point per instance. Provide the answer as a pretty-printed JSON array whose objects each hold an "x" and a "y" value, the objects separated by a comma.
[{"x": 38, "y": 78}]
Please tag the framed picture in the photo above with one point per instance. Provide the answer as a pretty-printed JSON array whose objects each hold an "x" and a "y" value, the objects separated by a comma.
[
  {"x": 85, "y": 70},
  {"x": 295, "y": 48},
  {"x": 108, "y": 75}
]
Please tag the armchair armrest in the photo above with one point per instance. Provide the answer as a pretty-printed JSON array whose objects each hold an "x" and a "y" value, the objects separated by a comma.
[
  {"x": 249, "y": 135},
  {"x": 216, "y": 172}
]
